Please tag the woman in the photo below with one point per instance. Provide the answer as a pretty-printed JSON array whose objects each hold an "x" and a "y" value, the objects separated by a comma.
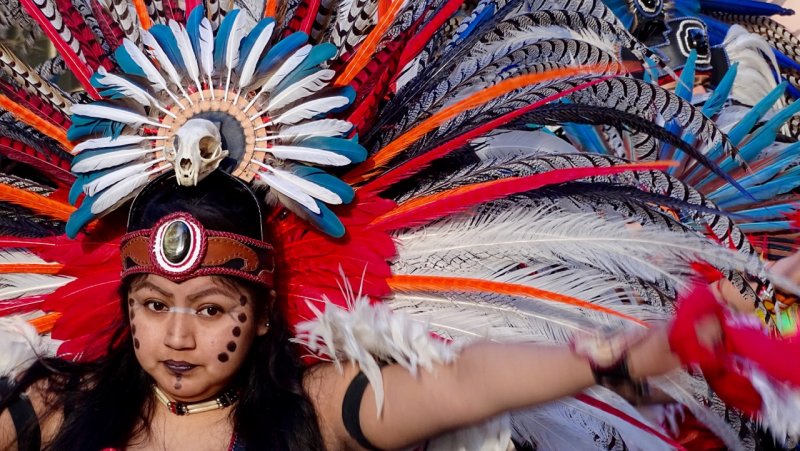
[{"x": 201, "y": 357}]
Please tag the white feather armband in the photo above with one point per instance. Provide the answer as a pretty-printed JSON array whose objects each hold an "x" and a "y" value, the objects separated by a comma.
[
  {"x": 21, "y": 345},
  {"x": 370, "y": 334}
]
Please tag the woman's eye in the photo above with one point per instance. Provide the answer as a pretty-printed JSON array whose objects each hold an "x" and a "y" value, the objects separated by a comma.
[
  {"x": 209, "y": 311},
  {"x": 156, "y": 306}
]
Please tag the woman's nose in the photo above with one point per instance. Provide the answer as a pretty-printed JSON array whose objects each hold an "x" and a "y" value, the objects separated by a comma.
[{"x": 180, "y": 331}]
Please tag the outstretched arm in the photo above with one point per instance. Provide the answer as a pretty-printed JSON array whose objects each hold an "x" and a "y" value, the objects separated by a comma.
[{"x": 485, "y": 380}]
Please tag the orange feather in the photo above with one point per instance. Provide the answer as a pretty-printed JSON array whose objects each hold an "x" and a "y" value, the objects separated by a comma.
[
  {"x": 45, "y": 323},
  {"x": 29, "y": 117},
  {"x": 368, "y": 45},
  {"x": 141, "y": 11},
  {"x": 442, "y": 283},
  {"x": 403, "y": 141},
  {"x": 504, "y": 187},
  {"x": 31, "y": 268},
  {"x": 270, "y": 8},
  {"x": 36, "y": 203}
]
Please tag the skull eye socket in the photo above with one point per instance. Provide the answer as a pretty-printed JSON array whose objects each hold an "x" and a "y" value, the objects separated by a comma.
[{"x": 208, "y": 147}]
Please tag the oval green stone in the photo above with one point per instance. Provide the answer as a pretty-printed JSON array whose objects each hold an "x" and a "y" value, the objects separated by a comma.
[{"x": 177, "y": 240}]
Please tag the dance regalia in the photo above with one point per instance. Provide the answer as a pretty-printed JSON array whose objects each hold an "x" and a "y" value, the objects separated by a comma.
[{"x": 503, "y": 170}]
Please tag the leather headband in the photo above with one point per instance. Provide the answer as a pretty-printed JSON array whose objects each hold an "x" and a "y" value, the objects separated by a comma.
[{"x": 178, "y": 248}]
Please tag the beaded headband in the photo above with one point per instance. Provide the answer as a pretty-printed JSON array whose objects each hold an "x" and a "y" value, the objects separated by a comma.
[{"x": 178, "y": 248}]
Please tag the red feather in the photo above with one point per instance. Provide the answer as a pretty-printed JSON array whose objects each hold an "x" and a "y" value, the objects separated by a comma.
[
  {"x": 605, "y": 407},
  {"x": 421, "y": 39},
  {"x": 49, "y": 164},
  {"x": 311, "y": 263},
  {"x": 92, "y": 51},
  {"x": 38, "y": 104},
  {"x": 425, "y": 209},
  {"x": 111, "y": 30},
  {"x": 420, "y": 162}
]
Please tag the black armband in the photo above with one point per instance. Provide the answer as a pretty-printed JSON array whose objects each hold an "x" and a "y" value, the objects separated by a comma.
[
  {"x": 351, "y": 409},
  {"x": 26, "y": 423}
]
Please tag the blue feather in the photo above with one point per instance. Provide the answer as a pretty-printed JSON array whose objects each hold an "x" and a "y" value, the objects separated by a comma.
[
  {"x": 249, "y": 41},
  {"x": 325, "y": 180},
  {"x": 717, "y": 100},
  {"x": 326, "y": 221},
  {"x": 621, "y": 10},
  {"x": 686, "y": 82},
  {"x": 784, "y": 60},
  {"x": 746, "y": 7},
  {"x": 761, "y": 227},
  {"x": 169, "y": 45},
  {"x": 80, "y": 217},
  {"x": 767, "y": 213},
  {"x": 221, "y": 40},
  {"x": 787, "y": 182},
  {"x": 279, "y": 52},
  {"x": 83, "y": 127},
  {"x": 126, "y": 63},
  {"x": 650, "y": 70},
  {"x": 351, "y": 149},
  {"x": 586, "y": 136},
  {"x": 193, "y": 27},
  {"x": 318, "y": 54}
]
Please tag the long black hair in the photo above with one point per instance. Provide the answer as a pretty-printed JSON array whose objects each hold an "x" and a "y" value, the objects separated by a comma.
[{"x": 108, "y": 402}]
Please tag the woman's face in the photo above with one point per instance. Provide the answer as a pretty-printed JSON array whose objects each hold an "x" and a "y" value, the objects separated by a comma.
[{"x": 192, "y": 337}]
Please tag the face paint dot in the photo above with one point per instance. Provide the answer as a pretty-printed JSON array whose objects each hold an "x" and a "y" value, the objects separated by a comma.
[
  {"x": 231, "y": 346},
  {"x": 177, "y": 386},
  {"x": 243, "y": 300},
  {"x": 130, "y": 302},
  {"x": 223, "y": 357},
  {"x": 136, "y": 343},
  {"x": 242, "y": 317},
  {"x": 133, "y": 315},
  {"x": 133, "y": 329},
  {"x": 236, "y": 331}
]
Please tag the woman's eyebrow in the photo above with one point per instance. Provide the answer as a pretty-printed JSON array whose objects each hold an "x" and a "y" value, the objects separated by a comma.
[
  {"x": 211, "y": 291},
  {"x": 152, "y": 286}
]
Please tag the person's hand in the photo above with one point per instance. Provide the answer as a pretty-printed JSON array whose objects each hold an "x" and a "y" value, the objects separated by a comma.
[{"x": 652, "y": 355}]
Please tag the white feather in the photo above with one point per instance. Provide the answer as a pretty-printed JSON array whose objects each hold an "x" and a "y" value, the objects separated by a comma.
[
  {"x": 110, "y": 159},
  {"x": 307, "y": 154},
  {"x": 114, "y": 177},
  {"x": 322, "y": 127},
  {"x": 684, "y": 389},
  {"x": 757, "y": 66},
  {"x": 122, "y": 191},
  {"x": 114, "y": 114},
  {"x": 21, "y": 346},
  {"x": 238, "y": 31},
  {"x": 310, "y": 188},
  {"x": 310, "y": 109},
  {"x": 286, "y": 68},
  {"x": 163, "y": 60},
  {"x": 206, "y": 55},
  {"x": 17, "y": 285},
  {"x": 17, "y": 256},
  {"x": 187, "y": 53},
  {"x": 546, "y": 234},
  {"x": 153, "y": 75},
  {"x": 130, "y": 90},
  {"x": 250, "y": 64},
  {"x": 303, "y": 88},
  {"x": 109, "y": 141},
  {"x": 275, "y": 179}
]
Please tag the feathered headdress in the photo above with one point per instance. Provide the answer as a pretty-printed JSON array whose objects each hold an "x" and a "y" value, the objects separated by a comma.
[{"x": 500, "y": 169}]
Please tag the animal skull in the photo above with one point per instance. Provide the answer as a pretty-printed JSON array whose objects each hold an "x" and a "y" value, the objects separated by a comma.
[{"x": 196, "y": 151}]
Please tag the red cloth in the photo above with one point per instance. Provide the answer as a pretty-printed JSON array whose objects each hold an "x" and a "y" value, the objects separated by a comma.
[{"x": 745, "y": 343}]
